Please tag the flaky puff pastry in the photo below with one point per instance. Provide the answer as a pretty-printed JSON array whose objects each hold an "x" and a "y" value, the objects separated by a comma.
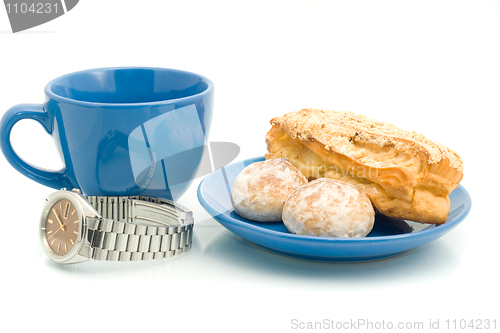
[{"x": 404, "y": 174}]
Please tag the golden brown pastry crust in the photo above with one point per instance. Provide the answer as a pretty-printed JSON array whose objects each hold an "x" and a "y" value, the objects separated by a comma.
[{"x": 404, "y": 174}]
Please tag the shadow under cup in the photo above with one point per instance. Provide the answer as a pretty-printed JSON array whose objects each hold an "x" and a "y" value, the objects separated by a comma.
[{"x": 125, "y": 131}]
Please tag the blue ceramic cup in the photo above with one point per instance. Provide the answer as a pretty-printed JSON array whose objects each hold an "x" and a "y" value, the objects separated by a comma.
[{"x": 120, "y": 131}]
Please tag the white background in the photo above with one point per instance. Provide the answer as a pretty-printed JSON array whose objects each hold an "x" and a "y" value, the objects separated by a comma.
[{"x": 430, "y": 66}]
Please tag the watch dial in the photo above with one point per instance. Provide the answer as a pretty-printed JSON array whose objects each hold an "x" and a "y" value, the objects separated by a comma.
[{"x": 62, "y": 226}]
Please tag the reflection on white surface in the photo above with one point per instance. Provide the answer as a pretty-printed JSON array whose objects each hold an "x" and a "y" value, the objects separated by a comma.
[{"x": 233, "y": 251}]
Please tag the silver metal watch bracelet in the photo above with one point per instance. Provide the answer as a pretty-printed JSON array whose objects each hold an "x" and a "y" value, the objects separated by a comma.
[{"x": 166, "y": 230}]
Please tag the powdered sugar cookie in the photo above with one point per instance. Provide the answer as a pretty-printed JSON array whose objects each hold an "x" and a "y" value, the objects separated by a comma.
[
  {"x": 261, "y": 189},
  {"x": 328, "y": 208}
]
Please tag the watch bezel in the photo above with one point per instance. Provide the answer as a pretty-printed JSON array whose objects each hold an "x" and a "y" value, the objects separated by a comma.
[{"x": 82, "y": 209}]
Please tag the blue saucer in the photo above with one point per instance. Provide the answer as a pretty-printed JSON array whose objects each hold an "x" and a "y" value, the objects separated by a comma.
[{"x": 388, "y": 237}]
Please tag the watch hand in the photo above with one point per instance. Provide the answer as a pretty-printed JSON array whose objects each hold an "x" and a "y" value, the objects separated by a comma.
[
  {"x": 58, "y": 219},
  {"x": 57, "y": 231}
]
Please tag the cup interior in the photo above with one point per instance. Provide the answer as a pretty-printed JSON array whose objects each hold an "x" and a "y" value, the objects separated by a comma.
[{"x": 128, "y": 85}]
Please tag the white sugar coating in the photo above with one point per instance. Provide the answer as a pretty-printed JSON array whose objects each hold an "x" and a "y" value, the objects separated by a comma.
[
  {"x": 328, "y": 208},
  {"x": 261, "y": 189}
]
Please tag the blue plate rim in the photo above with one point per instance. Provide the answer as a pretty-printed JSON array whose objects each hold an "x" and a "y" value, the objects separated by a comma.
[{"x": 437, "y": 229}]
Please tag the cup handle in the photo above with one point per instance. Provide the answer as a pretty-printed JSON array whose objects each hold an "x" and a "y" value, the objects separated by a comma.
[{"x": 54, "y": 179}]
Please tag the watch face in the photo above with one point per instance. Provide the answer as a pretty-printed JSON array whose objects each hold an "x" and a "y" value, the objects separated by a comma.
[{"x": 62, "y": 227}]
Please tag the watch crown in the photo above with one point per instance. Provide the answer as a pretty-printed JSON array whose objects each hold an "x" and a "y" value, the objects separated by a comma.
[{"x": 76, "y": 190}]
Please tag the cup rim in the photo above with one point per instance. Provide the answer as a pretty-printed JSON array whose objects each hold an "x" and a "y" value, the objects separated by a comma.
[{"x": 57, "y": 97}]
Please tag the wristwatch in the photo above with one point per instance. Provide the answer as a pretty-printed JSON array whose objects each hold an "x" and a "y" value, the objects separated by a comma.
[{"x": 76, "y": 228}]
